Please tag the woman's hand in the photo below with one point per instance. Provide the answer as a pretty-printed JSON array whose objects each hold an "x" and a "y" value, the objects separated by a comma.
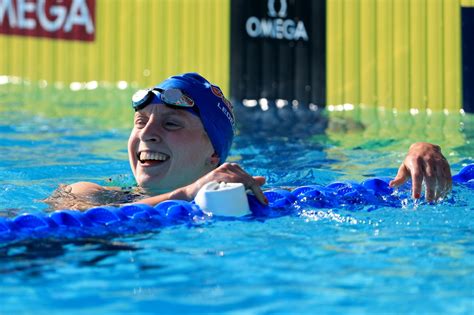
[
  {"x": 425, "y": 163},
  {"x": 229, "y": 173}
]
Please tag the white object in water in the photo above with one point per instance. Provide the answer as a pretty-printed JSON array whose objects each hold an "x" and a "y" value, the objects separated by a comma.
[{"x": 224, "y": 199}]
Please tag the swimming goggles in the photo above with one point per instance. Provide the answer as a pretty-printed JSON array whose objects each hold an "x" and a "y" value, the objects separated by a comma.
[{"x": 172, "y": 97}]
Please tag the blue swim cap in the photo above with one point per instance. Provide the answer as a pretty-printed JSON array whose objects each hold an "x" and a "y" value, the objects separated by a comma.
[{"x": 215, "y": 111}]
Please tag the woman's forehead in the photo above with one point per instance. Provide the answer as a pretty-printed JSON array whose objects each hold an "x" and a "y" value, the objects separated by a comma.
[
  {"x": 164, "y": 110},
  {"x": 161, "y": 111}
]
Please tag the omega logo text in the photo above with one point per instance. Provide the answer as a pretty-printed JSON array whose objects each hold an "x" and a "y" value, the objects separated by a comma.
[
  {"x": 64, "y": 19},
  {"x": 276, "y": 27}
]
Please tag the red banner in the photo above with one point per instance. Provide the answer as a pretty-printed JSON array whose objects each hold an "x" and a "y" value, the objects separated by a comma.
[{"x": 59, "y": 19}]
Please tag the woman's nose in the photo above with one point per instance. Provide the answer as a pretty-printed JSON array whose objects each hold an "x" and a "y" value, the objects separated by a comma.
[{"x": 151, "y": 132}]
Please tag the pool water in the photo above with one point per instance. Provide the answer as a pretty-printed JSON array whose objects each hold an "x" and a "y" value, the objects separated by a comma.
[{"x": 410, "y": 260}]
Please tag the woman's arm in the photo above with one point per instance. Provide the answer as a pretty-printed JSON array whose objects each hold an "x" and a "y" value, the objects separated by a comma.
[
  {"x": 85, "y": 195},
  {"x": 227, "y": 172}
]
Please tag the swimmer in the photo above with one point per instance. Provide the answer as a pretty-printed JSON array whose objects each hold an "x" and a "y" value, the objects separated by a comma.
[{"x": 182, "y": 134}]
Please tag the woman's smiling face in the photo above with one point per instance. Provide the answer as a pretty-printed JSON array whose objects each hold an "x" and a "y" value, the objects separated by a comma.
[{"x": 168, "y": 148}]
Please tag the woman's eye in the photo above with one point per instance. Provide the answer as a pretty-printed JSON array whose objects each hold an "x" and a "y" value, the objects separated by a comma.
[
  {"x": 172, "y": 125},
  {"x": 140, "y": 122}
]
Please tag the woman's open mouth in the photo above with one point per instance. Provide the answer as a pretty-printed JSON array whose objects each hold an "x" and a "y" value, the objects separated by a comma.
[{"x": 152, "y": 158}]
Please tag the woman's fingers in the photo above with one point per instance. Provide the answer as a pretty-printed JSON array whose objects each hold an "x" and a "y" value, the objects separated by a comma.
[
  {"x": 404, "y": 173},
  {"x": 444, "y": 180},
  {"x": 416, "y": 180},
  {"x": 255, "y": 187},
  {"x": 253, "y": 183},
  {"x": 429, "y": 177},
  {"x": 448, "y": 177},
  {"x": 233, "y": 173},
  {"x": 260, "y": 180},
  {"x": 402, "y": 176}
]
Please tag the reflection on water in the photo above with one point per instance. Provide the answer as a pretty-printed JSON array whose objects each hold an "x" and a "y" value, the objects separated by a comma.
[
  {"x": 33, "y": 256},
  {"x": 374, "y": 128}
]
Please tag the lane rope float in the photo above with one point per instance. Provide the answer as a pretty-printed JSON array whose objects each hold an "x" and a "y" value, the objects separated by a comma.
[{"x": 214, "y": 199}]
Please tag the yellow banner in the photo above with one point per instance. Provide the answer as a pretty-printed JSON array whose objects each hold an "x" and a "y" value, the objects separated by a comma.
[
  {"x": 395, "y": 54},
  {"x": 138, "y": 42}
]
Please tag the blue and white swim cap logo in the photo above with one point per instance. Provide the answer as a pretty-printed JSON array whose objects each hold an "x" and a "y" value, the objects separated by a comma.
[{"x": 228, "y": 109}]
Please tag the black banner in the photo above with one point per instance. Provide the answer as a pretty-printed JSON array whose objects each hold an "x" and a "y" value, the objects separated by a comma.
[
  {"x": 467, "y": 18},
  {"x": 278, "y": 51}
]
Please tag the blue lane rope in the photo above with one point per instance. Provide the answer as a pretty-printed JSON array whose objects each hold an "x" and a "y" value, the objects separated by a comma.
[{"x": 136, "y": 218}]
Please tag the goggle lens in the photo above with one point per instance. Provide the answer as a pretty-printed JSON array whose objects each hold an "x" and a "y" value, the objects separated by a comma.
[{"x": 173, "y": 97}]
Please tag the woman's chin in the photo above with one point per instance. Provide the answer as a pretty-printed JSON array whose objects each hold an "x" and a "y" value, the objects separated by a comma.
[
  {"x": 152, "y": 185},
  {"x": 153, "y": 188}
]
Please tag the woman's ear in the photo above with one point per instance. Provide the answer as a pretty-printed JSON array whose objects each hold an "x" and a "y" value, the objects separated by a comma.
[{"x": 214, "y": 159}]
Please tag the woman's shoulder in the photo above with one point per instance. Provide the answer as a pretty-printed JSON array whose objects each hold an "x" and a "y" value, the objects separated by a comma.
[
  {"x": 85, "y": 195},
  {"x": 85, "y": 188}
]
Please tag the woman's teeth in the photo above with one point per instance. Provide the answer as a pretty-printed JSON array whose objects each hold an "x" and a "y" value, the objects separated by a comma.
[{"x": 152, "y": 156}]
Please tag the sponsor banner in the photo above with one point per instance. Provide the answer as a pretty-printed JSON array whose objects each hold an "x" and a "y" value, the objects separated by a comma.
[
  {"x": 278, "y": 50},
  {"x": 59, "y": 19},
  {"x": 467, "y": 20}
]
